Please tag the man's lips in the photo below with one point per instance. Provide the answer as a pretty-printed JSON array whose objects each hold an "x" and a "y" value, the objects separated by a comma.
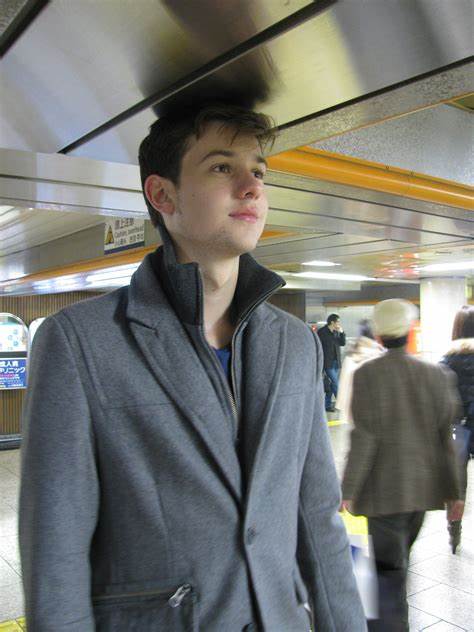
[{"x": 245, "y": 216}]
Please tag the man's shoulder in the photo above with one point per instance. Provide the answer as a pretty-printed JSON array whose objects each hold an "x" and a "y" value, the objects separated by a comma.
[
  {"x": 294, "y": 324},
  {"x": 324, "y": 331},
  {"x": 90, "y": 314}
]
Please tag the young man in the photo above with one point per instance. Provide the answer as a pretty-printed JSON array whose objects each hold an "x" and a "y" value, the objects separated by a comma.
[
  {"x": 401, "y": 461},
  {"x": 177, "y": 471},
  {"x": 332, "y": 338}
]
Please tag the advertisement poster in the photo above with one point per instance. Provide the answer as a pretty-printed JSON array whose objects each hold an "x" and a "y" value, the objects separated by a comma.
[{"x": 12, "y": 373}]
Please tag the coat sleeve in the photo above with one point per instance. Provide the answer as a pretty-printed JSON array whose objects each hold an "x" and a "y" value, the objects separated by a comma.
[
  {"x": 59, "y": 489},
  {"x": 363, "y": 446},
  {"x": 450, "y": 410},
  {"x": 323, "y": 549}
]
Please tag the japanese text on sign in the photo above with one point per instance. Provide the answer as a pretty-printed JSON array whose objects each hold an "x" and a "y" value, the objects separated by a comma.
[
  {"x": 123, "y": 233},
  {"x": 12, "y": 373}
]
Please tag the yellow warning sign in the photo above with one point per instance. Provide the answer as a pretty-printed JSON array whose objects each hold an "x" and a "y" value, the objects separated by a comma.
[
  {"x": 122, "y": 233},
  {"x": 109, "y": 237}
]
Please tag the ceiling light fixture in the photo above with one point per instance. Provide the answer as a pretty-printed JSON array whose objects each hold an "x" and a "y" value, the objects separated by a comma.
[
  {"x": 322, "y": 264},
  {"x": 332, "y": 276},
  {"x": 115, "y": 272},
  {"x": 448, "y": 267}
]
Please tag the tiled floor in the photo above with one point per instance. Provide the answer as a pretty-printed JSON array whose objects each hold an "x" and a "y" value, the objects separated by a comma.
[{"x": 441, "y": 585}]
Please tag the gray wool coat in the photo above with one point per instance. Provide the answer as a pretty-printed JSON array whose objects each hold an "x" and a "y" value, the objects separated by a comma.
[
  {"x": 146, "y": 502},
  {"x": 401, "y": 457}
]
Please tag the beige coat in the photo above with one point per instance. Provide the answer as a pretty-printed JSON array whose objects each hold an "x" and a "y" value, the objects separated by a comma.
[
  {"x": 401, "y": 457},
  {"x": 363, "y": 349}
]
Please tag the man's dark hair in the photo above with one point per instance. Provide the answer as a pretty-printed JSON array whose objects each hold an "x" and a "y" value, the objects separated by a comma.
[
  {"x": 463, "y": 326},
  {"x": 394, "y": 343},
  {"x": 365, "y": 329},
  {"x": 162, "y": 151},
  {"x": 332, "y": 318}
]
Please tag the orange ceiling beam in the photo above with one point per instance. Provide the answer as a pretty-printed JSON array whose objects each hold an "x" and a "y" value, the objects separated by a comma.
[{"x": 321, "y": 165}]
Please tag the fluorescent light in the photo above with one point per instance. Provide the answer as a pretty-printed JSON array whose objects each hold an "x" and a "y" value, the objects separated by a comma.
[
  {"x": 448, "y": 267},
  {"x": 322, "y": 264},
  {"x": 107, "y": 274},
  {"x": 332, "y": 276},
  {"x": 117, "y": 282}
]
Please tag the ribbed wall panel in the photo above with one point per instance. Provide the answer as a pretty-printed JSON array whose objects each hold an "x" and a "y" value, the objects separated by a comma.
[{"x": 28, "y": 308}]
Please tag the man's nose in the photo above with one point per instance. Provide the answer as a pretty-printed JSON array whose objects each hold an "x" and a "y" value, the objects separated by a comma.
[{"x": 249, "y": 187}]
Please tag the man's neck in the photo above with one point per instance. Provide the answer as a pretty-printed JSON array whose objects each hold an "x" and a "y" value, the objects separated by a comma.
[{"x": 219, "y": 276}]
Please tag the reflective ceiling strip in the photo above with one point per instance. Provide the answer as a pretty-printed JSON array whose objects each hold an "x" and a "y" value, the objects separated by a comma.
[{"x": 20, "y": 23}]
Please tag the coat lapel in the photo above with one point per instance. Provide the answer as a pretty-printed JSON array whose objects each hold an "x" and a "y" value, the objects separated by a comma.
[
  {"x": 174, "y": 362},
  {"x": 261, "y": 371}
]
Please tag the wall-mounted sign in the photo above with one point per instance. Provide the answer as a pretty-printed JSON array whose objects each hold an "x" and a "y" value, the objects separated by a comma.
[
  {"x": 13, "y": 352},
  {"x": 12, "y": 373},
  {"x": 123, "y": 233}
]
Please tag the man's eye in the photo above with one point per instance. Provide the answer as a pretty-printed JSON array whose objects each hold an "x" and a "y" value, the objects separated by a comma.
[
  {"x": 259, "y": 174},
  {"x": 223, "y": 168}
]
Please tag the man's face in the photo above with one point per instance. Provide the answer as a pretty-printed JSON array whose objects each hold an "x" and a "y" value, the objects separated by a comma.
[
  {"x": 220, "y": 204},
  {"x": 335, "y": 325}
]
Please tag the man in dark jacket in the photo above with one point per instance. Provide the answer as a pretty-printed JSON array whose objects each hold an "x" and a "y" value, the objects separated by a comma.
[
  {"x": 332, "y": 339},
  {"x": 177, "y": 469}
]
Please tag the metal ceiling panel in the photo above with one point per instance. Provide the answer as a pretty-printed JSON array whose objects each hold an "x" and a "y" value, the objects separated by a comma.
[
  {"x": 27, "y": 229},
  {"x": 397, "y": 100},
  {"x": 332, "y": 189},
  {"x": 328, "y": 250},
  {"x": 438, "y": 141},
  {"x": 108, "y": 60},
  {"x": 99, "y": 58},
  {"x": 403, "y": 224}
]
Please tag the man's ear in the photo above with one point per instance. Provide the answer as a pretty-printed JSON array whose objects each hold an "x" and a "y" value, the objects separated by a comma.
[{"x": 160, "y": 192}]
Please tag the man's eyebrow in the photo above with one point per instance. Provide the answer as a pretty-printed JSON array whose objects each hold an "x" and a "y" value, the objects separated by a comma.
[{"x": 226, "y": 153}]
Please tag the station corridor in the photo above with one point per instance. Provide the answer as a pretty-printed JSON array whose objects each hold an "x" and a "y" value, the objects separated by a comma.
[{"x": 441, "y": 585}]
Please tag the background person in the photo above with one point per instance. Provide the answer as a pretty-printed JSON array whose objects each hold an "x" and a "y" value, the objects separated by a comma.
[
  {"x": 364, "y": 348},
  {"x": 460, "y": 359},
  {"x": 332, "y": 338},
  {"x": 401, "y": 461}
]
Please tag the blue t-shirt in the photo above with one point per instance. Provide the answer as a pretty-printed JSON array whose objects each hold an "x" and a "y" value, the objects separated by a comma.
[{"x": 223, "y": 355}]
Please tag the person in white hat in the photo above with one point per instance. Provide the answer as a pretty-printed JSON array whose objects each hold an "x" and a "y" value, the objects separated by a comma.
[{"x": 401, "y": 461}]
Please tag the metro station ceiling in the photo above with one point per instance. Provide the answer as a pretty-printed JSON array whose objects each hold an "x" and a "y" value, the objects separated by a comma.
[{"x": 87, "y": 79}]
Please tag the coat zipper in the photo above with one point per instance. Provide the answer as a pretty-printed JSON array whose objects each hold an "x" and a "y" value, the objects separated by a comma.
[
  {"x": 228, "y": 390},
  {"x": 232, "y": 372},
  {"x": 174, "y": 601}
]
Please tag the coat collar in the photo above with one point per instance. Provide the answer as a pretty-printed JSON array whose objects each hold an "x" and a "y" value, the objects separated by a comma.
[{"x": 160, "y": 281}]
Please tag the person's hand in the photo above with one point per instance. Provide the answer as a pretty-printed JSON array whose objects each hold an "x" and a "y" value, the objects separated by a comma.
[
  {"x": 338, "y": 327},
  {"x": 346, "y": 505},
  {"x": 454, "y": 510}
]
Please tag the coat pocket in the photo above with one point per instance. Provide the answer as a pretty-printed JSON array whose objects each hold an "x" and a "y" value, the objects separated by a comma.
[{"x": 167, "y": 610}]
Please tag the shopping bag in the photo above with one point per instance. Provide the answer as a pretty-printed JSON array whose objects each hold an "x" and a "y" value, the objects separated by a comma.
[{"x": 363, "y": 562}]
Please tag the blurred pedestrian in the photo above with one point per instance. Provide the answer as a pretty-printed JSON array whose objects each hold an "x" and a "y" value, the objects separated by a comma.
[
  {"x": 364, "y": 348},
  {"x": 460, "y": 359},
  {"x": 332, "y": 339},
  {"x": 401, "y": 461}
]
